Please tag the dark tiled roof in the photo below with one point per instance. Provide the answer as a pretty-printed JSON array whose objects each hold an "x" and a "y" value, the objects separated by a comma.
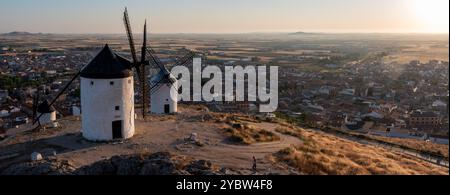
[
  {"x": 424, "y": 114},
  {"x": 107, "y": 65},
  {"x": 162, "y": 77},
  {"x": 45, "y": 107}
]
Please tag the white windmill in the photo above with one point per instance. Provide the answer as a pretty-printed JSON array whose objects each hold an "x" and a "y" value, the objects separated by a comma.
[
  {"x": 107, "y": 97},
  {"x": 163, "y": 93}
]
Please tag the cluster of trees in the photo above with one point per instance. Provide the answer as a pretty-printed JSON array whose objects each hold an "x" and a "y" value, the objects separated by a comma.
[
  {"x": 299, "y": 120},
  {"x": 11, "y": 82}
]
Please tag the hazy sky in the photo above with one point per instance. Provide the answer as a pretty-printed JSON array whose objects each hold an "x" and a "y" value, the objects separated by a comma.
[{"x": 225, "y": 16}]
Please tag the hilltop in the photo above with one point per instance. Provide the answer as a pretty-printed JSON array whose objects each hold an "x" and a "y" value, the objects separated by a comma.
[
  {"x": 302, "y": 33},
  {"x": 212, "y": 143},
  {"x": 20, "y": 33}
]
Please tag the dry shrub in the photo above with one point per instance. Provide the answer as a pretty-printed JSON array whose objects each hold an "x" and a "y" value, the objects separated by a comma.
[
  {"x": 248, "y": 134},
  {"x": 323, "y": 154},
  {"x": 419, "y": 145},
  {"x": 295, "y": 132}
]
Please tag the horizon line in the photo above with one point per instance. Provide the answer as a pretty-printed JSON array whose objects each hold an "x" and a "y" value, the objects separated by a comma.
[{"x": 234, "y": 33}]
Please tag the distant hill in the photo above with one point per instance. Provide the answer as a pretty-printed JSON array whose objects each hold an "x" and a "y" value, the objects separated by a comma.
[
  {"x": 20, "y": 33},
  {"x": 302, "y": 33}
]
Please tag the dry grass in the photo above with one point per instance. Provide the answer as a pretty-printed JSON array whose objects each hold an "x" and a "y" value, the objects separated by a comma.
[
  {"x": 428, "y": 147},
  {"x": 323, "y": 154},
  {"x": 247, "y": 134},
  {"x": 411, "y": 144}
]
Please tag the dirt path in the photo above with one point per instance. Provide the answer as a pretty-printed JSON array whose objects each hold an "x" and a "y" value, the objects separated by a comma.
[
  {"x": 169, "y": 135},
  {"x": 240, "y": 157}
]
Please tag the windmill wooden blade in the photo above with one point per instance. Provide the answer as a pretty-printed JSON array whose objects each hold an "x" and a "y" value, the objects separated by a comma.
[
  {"x": 65, "y": 88},
  {"x": 153, "y": 59},
  {"x": 185, "y": 59},
  {"x": 160, "y": 80},
  {"x": 152, "y": 89},
  {"x": 143, "y": 73},
  {"x": 59, "y": 94},
  {"x": 35, "y": 105},
  {"x": 144, "y": 45},
  {"x": 166, "y": 77},
  {"x": 126, "y": 21},
  {"x": 138, "y": 65},
  {"x": 157, "y": 85},
  {"x": 140, "y": 69},
  {"x": 139, "y": 72}
]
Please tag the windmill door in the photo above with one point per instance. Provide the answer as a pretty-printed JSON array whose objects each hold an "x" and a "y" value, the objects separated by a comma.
[
  {"x": 117, "y": 129},
  {"x": 167, "y": 108}
]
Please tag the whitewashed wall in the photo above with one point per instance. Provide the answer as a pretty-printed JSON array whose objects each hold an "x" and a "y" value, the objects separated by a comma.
[
  {"x": 98, "y": 102},
  {"x": 161, "y": 97},
  {"x": 47, "y": 117}
]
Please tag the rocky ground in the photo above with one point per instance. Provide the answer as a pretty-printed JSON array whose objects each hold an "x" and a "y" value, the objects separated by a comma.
[{"x": 161, "y": 163}]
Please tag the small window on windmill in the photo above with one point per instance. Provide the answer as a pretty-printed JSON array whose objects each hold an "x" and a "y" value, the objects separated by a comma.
[
  {"x": 129, "y": 81},
  {"x": 111, "y": 83},
  {"x": 117, "y": 108},
  {"x": 92, "y": 83}
]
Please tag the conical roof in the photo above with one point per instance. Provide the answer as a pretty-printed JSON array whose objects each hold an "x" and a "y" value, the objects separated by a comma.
[
  {"x": 45, "y": 107},
  {"x": 162, "y": 77},
  {"x": 107, "y": 65}
]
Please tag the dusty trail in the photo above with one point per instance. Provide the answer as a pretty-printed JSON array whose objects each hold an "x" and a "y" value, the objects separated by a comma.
[
  {"x": 217, "y": 150},
  {"x": 239, "y": 157}
]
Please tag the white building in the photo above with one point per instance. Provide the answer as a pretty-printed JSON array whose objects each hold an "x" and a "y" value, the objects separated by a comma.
[
  {"x": 76, "y": 111},
  {"x": 163, "y": 98},
  {"x": 347, "y": 92},
  {"x": 107, "y": 98},
  {"x": 46, "y": 112},
  {"x": 4, "y": 113},
  {"x": 439, "y": 104},
  {"x": 373, "y": 115},
  {"x": 3, "y": 94},
  {"x": 326, "y": 90}
]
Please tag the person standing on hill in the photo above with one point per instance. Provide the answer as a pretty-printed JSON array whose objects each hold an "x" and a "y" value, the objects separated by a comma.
[{"x": 254, "y": 164}]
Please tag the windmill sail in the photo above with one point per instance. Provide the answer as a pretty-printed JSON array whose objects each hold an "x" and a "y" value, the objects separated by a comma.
[{"x": 139, "y": 66}]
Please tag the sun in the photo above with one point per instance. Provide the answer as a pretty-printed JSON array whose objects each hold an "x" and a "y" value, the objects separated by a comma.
[{"x": 433, "y": 15}]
